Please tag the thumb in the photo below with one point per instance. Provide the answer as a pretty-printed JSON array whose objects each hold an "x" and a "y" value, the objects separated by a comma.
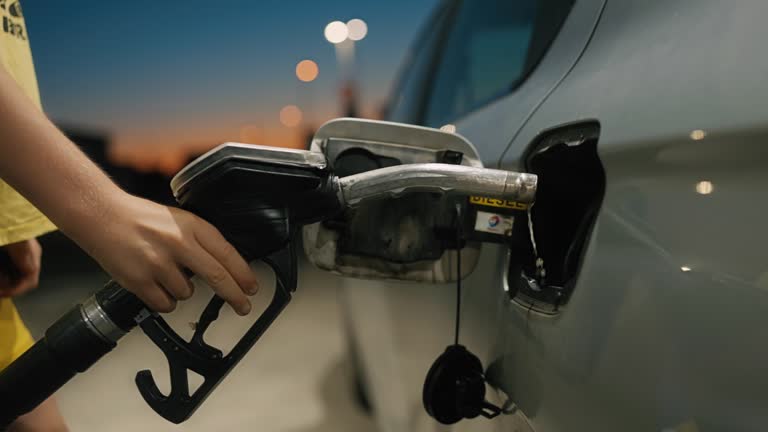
[{"x": 22, "y": 256}]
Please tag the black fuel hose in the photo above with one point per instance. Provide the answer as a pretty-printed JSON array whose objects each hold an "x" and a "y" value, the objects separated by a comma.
[{"x": 70, "y": 346}]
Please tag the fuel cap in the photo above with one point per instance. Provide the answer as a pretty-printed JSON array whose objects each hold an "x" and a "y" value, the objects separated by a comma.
[{"x": 455, "y": 388}]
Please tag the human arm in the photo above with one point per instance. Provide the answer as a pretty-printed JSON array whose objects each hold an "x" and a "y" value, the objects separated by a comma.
[{"x": 143, "y": 245}]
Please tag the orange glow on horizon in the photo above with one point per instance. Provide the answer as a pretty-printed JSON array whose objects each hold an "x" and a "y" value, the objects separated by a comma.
[
  {"x": 251, "y": 134},
  {"x": 169, "y": 147},
  {"x": 167, "y": 151}
]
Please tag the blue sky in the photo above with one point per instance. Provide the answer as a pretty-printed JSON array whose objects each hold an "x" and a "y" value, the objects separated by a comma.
[{"x": 156, "y": 65}]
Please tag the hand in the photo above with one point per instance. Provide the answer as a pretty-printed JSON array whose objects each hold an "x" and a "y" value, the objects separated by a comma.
[
  {"x": 145, "y": 247},
  {"x": 22, "y": 271}
]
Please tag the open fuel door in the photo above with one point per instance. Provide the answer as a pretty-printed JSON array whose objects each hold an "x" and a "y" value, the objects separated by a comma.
[{"x": 413, "y": 237}]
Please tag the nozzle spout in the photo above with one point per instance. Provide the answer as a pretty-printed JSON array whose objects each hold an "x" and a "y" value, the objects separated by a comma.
[{"x": 439, "y": 178}]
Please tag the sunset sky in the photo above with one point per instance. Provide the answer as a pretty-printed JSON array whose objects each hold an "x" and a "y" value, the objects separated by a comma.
[{"x": 163, "y": 75}]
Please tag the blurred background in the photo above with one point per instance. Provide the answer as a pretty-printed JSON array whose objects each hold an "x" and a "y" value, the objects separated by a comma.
[
  {"x": 157, "y": 83},
  {"x": 144, "y": 87}
]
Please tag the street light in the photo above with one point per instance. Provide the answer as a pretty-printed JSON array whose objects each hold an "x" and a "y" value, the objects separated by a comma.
[
  {"x": 306, "y": 70},
  {"x": 336, "y": 32},
  {"x": 343, "y": 37},
  {"x": 356, "y": 29}
]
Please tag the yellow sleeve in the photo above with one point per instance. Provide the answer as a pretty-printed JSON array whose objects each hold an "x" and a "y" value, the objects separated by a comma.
[
  {"x": 19, "y": 220},
  {"x": 14, "y": 336}
]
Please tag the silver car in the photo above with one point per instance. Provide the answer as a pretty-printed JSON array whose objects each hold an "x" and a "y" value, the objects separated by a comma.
[{"x": 634, "y": 294}]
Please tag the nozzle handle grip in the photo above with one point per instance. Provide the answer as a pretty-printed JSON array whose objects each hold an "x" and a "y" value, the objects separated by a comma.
[{"x": 205, "y": 360}]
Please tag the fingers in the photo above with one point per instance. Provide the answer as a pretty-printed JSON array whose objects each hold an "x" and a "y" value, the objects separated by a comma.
[
  {"x": 155, "y": 296},
  {"x": 15, "y": 286},
  {"x": 161, "y": 241},
  {"x": 176, "y": 284},
  {"x": 25, "y": 258},
  {"x": 200, "y": 262},
  {"x": 21, "y": 285},
  {"x": 226, "y": 254}
]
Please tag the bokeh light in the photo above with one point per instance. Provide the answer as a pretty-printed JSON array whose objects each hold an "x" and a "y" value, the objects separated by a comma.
[
  {"x": 307, "y": 70},
  {"x": 290, "y": 116},
  {"x": 704, "y": 187},
  {"x": 336, "y": 32},
  {"x": 357, "y": 29},
  {"x": 698, "y": 134}
]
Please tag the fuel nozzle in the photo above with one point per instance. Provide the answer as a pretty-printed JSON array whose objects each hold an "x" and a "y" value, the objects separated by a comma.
[{"x": 259, "y": 198}]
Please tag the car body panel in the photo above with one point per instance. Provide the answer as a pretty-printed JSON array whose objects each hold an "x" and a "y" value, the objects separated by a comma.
[
  {"x": 664, "y": 328},
  {"x": 656, "y": 336}
]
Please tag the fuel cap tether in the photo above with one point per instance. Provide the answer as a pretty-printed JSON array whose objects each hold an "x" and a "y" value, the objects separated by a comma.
[{"x": 455, "y": 385}]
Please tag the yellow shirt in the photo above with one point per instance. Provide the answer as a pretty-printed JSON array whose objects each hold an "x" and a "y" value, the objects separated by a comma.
[
  {"x": 19, "y": 220},
  {"x": 14, "y": 336}
]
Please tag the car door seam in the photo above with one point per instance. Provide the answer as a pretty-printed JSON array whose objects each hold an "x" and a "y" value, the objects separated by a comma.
[{"x": 553, "y": 88}]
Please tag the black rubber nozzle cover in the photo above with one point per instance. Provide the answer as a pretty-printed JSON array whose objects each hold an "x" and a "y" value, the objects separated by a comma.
[{"x": 68, "y": 347}]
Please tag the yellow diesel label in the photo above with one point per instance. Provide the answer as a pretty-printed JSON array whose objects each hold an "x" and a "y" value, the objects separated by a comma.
[{"x": 500, "y": 203}]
